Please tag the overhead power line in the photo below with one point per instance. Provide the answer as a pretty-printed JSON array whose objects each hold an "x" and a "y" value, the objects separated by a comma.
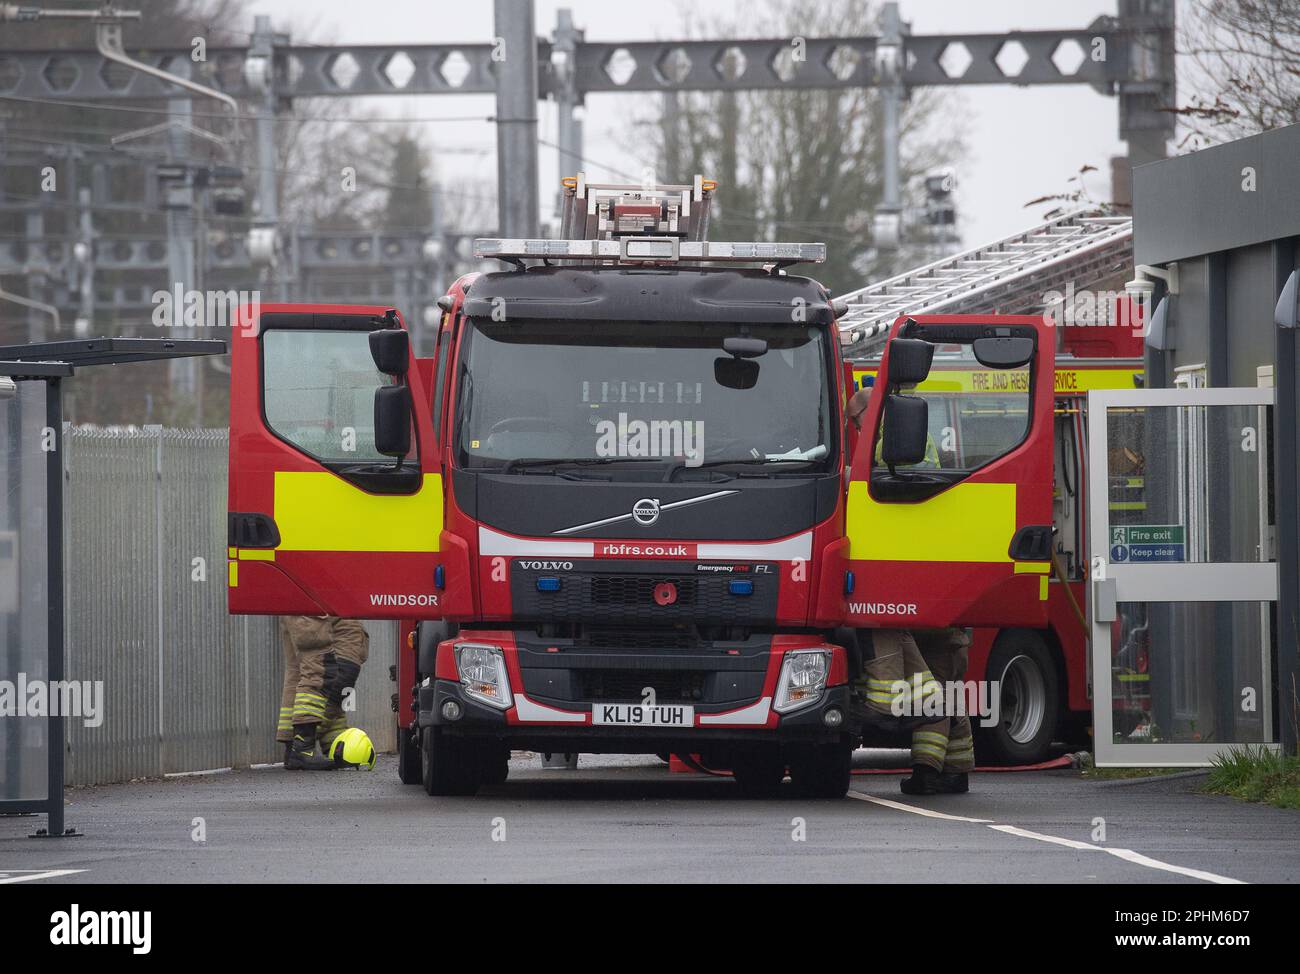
[{"x": 227, "y": 116}]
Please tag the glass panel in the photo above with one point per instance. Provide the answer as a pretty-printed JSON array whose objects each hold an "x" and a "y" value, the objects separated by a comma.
[
  {"x": 976, "y": 415},
  {"x": 24, "y": 618},
  {"x": 1190, "y": 673},
  {"x": 1184, "y": 483},
  {"x": 319, "y": 392}
]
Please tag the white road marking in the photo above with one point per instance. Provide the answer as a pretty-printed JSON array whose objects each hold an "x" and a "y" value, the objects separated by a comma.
[
  {"x": 919, "y": 811},
  {"x": 11, "y": 875},
  {"x": 1128, "y": 855},
  {"x": 1025, "y": 833},
  {"x": 1141, "y": 860}
]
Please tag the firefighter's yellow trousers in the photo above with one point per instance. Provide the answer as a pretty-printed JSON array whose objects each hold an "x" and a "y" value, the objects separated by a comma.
[
  {"x": 945, "y": 744},
  {"x": 322, "y": 656}
]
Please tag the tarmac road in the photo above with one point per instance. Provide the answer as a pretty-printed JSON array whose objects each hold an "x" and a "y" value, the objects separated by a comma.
[{"x": 629, "y": 819}]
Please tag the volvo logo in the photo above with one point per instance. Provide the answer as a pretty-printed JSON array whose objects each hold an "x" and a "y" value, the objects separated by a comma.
[
  {"x": 646, "y": 510},
  {"x": 546, "y": 566}
]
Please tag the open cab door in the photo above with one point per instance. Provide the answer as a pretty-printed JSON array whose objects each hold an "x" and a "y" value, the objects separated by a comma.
[
  {"x": 949, "y": 514},
  {"x": 335, "y": 499}
]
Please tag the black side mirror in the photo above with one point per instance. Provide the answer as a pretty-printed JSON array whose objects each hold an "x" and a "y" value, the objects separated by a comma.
[
  {"x": 1003, "y": 353},
  {"x": 393, "y": 420},
  {"x": 735, "y": 373},
  {"x": 909, "y": 361},
  {"x": 905, "y": 429},
  {"x": 391, "y": 350}
]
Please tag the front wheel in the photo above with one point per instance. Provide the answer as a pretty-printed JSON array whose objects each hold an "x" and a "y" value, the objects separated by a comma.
[
  {"x": 825, "y": 772},
  {"x": 409, "y": 771},
  {"x": 495, "y": 764},
  {"x": 447, "y": 765},
  {"x": 1028, "y": 687},
  {"x": 759, "y": 774}
]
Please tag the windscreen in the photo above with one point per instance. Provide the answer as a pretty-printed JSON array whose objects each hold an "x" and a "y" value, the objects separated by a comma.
[{"x": 686, "y": 394}]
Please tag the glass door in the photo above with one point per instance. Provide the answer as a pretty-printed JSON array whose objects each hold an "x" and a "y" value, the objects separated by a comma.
[{"x": 1183, "y": 583}]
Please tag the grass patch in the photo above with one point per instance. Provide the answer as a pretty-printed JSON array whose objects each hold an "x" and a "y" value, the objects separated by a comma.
[
  {"x": 1118, "y": 774},
  {"x": 1257, "y": 775}
]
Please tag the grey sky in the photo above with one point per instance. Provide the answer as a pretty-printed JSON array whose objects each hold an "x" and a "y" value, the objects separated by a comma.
[{"x": 1022, "y": 142}]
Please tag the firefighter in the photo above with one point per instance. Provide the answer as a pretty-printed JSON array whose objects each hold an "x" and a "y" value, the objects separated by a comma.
[
  {"x": 323, "y": 656},
  {"x": 943, "y": 752}
]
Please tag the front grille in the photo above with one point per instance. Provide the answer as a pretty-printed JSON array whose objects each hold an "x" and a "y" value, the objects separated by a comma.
[
  {"x": 637, "y": 639},
  {"x": 628, "y": 686},
  {"x": 639, "y": 590},
  {"x": 617, "y": 596}
]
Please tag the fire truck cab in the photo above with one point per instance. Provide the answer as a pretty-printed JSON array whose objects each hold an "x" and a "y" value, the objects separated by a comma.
[{"x": 618, "y": 508}]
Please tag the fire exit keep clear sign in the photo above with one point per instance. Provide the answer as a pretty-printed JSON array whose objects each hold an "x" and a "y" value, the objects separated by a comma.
[{"x": 1148, "y": 542}]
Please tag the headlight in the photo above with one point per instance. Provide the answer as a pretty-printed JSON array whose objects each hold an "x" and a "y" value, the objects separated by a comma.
[
  {"x": 803, "y": 679},
  {"x": 482, "y": 672}
]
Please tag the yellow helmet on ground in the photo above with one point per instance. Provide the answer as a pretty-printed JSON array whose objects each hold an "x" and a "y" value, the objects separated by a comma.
[{"x": 352, "y": 749}]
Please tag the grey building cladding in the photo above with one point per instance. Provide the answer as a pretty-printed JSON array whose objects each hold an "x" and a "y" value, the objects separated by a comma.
[{"x": 1229, "y": 218}]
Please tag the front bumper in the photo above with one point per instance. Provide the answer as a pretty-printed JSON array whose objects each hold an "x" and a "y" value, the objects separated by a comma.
[{"x": 531, "y": 726}]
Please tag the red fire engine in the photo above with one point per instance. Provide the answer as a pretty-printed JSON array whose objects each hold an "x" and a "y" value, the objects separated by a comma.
[{"x": 619, "y": 498}]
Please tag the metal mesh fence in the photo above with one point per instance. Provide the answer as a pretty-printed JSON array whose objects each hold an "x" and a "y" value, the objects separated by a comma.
[{"x": 186, "y": 687}]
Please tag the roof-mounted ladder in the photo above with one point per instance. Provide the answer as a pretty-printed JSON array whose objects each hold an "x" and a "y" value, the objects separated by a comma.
[
  {"x": 1008, "y": 276},
  {"x": 604, "y": 211}
]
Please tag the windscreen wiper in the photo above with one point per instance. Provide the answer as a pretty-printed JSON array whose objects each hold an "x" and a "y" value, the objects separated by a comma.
[
  {"x": 522, "y": 463},
  {"x": 673, "y": 471}
]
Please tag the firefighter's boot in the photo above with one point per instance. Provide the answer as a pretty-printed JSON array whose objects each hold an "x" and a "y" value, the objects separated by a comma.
[
  {"x": 924, "y": 780},
  {"x": 300, "y": 753},
  {"x": 954, "y": 782}
]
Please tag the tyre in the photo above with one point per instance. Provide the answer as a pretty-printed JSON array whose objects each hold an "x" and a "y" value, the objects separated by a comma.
[
  {"x": 495, "y": 767},
  {"x": 447, "y": 765},
  {"x": 824, "y": 772},
  {"x": 1029, "y": 689},
  {"x": 430, "y": 633},
  {"x": 759, "y": 774},
  {"x": 408, "y": 757}
]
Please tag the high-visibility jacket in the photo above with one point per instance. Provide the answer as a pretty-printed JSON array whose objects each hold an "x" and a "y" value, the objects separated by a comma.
[{"x": 931, "y": 453}]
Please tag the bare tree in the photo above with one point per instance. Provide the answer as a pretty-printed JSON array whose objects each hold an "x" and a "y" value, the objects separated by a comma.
[
  {"x": 1241, "y": 62},
  {"x": 802, "y": 164},
  {"x": 332, "y": 165}
]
